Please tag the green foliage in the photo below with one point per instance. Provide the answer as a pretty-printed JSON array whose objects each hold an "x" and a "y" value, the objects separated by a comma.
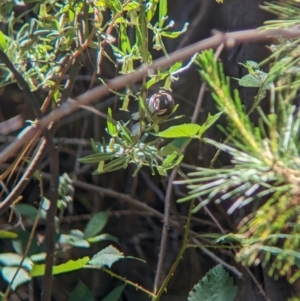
[
  {"x": 189, "y": 130},
  {"x": 15, "y": 276},
  {"x": 264, "y": 169},
  {"x": 77, "y": 238},
  {"x": 15, "y": 269},
  {"x": 81, "y": 293},
  {"x": 107, "y": 257},
  {"x": 264, "y": 156},
  {"x": 7, "y": 234},
  {"x": 96, "y": 224},
  {"x": 10, "y": 262},
  {"x": 71, "y": 265},
  {"x": 124, "y": 149},
  {"x": 217, "y": 285},
  {"x": 115, "y": 294}
]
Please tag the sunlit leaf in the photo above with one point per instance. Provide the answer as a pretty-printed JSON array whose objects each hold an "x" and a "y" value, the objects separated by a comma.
[
  {"x": 183, "y": 130},
  {"x": 3, "y": 41},
  {"x": 38, "y": 257},
  {"x": 69, "y": 266},
  {"x": 22, "y": 276},
  {"x": 106, "y": 257},
  {"x": 131, "y": 6},
  {"x": 111, "y": 124},
  {"x": 13, "y": 259},
  {"x": 151, "y": 9},
  {"x": 125, "y": 43},
  {"x": 211, "y": 119},
  {"x": 74, "y": 241},
  {"x": 175, "y": 34},
  {"x": 8, "y": 234},
  {"x": 103, "y": 237},
  {"x": 163, "y": 10}
]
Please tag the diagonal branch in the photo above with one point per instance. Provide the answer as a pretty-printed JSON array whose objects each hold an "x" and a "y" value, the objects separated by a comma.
[{"x": 229, "y": 40}]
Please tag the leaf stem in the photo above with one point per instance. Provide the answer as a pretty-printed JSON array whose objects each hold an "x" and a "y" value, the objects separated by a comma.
[{"x": 135, "y": 285}]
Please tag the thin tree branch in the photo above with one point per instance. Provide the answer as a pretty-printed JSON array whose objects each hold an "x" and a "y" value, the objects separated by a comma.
[
  {"x": 164, "y": 238},
  {"x": 229, "y": 40},
  {"x": 164, "y": 235},
  {"x": 33, "y": 105}
]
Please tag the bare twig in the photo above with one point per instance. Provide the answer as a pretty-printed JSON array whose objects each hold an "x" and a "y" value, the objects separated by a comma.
[{"x": 229, "y": 40}]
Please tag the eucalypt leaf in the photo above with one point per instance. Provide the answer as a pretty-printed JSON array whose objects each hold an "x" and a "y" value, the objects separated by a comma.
[{"x": 81, "y": 293}]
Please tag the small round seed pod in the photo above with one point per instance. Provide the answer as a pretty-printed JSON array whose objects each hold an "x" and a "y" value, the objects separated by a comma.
[{"x": 161, "y": 104}]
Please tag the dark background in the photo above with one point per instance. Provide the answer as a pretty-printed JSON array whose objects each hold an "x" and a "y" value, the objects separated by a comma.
[{"x": 139, "y": 233}]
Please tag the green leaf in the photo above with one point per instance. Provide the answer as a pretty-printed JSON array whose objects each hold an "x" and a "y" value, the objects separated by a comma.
[
  {"x": 8, "y": 234},
  {"x": 12, "y": 259},
  {"x": 115, "y": 294},
  {"x": 28, "y": 211},
  {"x": 163, "y": 10},
  {"x": 96, "y": 224},
  {"x": 22, "y": 276},
  {"x": 231, "y": 237},
  {"x": 81, "y": 293},
  {"x": 3, "y": 41},
  {"x": 38, "y": 257},
  {"x": 125, "y": 43},
  {"x": 151, "y": 9},
  {"x": 249, "y": 80},
  {"x": 131, "y": 6},
  {"x": 174, "y": 34},
  {"x": 216, "y": 285},
  {"x": 76, "y": 233},
  {"x": 111, "y": 124},
  {"x": 175, "y": 67},
  {"x": 183, "y": 130},
  {"x": 211, "y": 119},
  {"x": 113, "y": 165},
  {"x": 95, "y": 158},
  {"x": 155, "y": 79},
  {"x": 74, "y": 241},
  {"x": 169, "y": 149},
  {"x": 176, "y": 145},
  {"x": 125, "y": 103},
  {"x": 21, "y": 242},
  {"x": 115, "y": 5},
  {"x": 106, "y": 257},
  {"x": 169, "y": 159},
  {"x": 69, "y": 266},
  {"x": 103, "y": 237}
]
